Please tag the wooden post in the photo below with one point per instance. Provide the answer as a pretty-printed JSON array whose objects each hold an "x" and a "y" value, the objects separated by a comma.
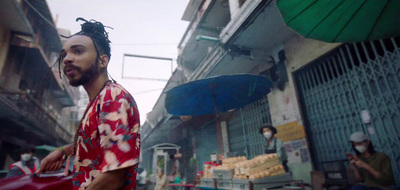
[
  {"x": 250, "y": 185},
  {"x": 219, "y": 138}
]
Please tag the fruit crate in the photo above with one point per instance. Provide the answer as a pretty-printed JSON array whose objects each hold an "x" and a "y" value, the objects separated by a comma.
[
  {"x": 224, "y": 183},
  {"x": 240, "y": 184},
  {"x": 264, "y": 183},
  {"x": 223, "y": 174},
  {"x": 208, "y": 182}
]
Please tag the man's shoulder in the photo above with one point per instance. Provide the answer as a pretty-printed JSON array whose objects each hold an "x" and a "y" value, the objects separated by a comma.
[
  {"x": 119, "y": 87},
  {"x": 117, "y": 90},
  {"x": 116, "y": 93}
]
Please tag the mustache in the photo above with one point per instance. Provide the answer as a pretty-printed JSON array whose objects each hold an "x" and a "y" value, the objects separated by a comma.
[{"x": 70, "y": 67}]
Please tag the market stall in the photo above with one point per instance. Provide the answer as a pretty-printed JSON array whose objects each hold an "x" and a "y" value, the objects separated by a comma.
[
  {"x": 161, "y": 156},
  {"x": 238, "y": 173}
]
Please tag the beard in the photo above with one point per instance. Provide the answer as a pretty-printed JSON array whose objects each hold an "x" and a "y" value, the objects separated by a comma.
[{"x": 86, "y": 75}]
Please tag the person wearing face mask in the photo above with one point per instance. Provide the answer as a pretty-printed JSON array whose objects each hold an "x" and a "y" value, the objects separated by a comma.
[
  {"x": 27, "y": 166},
  {"x": 274, "y": 145},
  {"x": 372, "y": 168}
]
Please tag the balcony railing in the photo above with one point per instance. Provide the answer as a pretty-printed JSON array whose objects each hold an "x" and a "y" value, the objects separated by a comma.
[{"x": 37, "y": 116}]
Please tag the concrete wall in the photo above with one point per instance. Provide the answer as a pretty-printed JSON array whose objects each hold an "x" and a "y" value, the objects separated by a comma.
[
  {"x": 284, "y": 105},
  {"x": 301, "y": 51}
]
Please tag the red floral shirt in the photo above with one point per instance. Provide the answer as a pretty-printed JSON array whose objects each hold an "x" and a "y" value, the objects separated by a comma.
[{"x": 108, "y": 138}]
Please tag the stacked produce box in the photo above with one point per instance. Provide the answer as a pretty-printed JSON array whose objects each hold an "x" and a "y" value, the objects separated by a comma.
[
  {"x": 207, "y": 170},
  {"x": 259, "y": 167},
  {"x": 236, "y": 172},
  {"x": 229, "y": 163}
]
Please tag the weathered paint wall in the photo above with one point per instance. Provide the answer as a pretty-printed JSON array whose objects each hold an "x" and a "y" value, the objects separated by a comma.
[
  {"x": 4, "y": 44},
  {"x": 301, "y": 51},
  {"x": 284, "y": 105},
  {"x": 284, "y": 109}
]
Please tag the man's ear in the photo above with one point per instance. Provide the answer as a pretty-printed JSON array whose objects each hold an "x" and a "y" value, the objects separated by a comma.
[{"x": 104, "y": 59}]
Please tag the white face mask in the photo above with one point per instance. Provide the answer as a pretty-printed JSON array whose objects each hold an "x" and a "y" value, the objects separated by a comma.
[
  {"x": 267, "y": 135},
  {"x": 26, "y": 157},
  {"x": 361, "y": 148}
]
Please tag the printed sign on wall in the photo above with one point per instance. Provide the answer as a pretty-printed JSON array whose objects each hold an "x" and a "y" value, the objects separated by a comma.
[
  {"x": 291, "y": 131},
  {"x": 297, "y": 151}
]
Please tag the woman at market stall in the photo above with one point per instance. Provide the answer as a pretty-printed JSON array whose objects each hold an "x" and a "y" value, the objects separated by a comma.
[{"x": 274, "y": 145}]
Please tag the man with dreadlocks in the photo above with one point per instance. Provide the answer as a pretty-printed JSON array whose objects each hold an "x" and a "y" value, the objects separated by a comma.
[{"x": 107, "y": 144}]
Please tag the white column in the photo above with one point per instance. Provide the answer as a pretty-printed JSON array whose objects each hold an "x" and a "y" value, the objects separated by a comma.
[{"x": 233, "y": 8}]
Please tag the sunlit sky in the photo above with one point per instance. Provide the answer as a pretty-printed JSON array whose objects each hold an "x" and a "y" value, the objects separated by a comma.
[{"x": 141, "y": 27}]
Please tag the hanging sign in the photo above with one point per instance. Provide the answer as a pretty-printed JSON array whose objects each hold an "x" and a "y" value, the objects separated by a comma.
[{"x": 291, "y": 131}]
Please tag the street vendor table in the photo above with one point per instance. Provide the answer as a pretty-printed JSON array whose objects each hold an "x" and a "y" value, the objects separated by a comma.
[
  {"x": 243, "y": 184},
  {"x": 208, "y": 188},
  {"x": 186, "y": 186}
]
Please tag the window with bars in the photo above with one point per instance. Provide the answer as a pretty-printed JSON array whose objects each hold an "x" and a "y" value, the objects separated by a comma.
[
  {"x": 243, "y": 129},
  {"x": 335, "y": 89}
]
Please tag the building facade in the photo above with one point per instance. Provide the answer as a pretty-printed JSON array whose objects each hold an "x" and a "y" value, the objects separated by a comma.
[
  {"x": 322, "y": 91},
  {"x": 34, "y": 100}
]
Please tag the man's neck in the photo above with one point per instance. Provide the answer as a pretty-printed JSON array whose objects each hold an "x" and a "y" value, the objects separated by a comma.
[{"x": 94, "y": 86}]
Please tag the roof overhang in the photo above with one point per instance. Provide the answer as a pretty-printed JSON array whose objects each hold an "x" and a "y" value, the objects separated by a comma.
[
  {"x": 48, "y": 28},
  {"x": 207, "y": 24},
  {"x": 265, "y": 30},
  {"x": 247, "y": 41},
  {"x": 13, "y": 17},
  {"x": 191, "y": 9},
  {"x": 165, "y": 146}
]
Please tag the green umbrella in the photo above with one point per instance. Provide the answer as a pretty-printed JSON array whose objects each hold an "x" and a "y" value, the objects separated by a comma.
[
  {"x": 342, "y": 20},
  {"x": 43, "y": 150}
]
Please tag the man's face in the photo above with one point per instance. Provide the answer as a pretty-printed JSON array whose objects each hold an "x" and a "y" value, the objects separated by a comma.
[{"x": 80, "y": 60}]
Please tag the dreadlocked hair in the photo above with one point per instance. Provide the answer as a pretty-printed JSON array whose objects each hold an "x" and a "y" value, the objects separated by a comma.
[{"x": 96, "y": 31}]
